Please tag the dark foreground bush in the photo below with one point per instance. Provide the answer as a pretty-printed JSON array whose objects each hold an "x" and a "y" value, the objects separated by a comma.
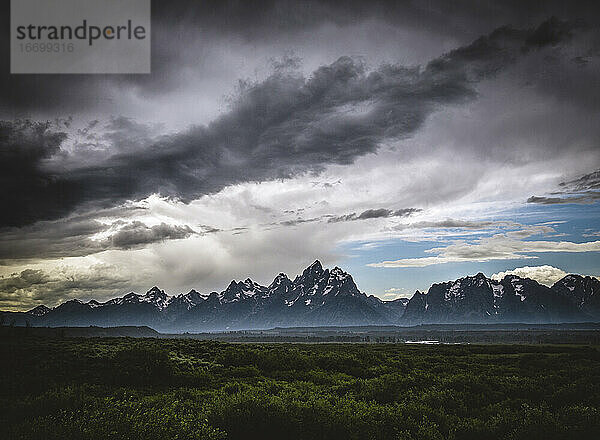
[
  {"x": 142, "y": 365},
  {"x": 105, "y": 419}
]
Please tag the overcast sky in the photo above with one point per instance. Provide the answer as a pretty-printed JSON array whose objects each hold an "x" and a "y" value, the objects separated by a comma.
[{"x": 407, "y": 142}]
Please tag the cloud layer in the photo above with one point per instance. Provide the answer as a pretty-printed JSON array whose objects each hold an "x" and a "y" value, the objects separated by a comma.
[
  {"x": 277, "y": 128},
  {"x": 583, "y": 190},
  {"x": 547, "y": 275},
  {"x": 32, "y": 287},
  {"x": 497, "y": 247}
]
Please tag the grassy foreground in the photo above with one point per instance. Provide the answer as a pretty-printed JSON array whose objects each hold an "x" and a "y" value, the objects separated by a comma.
[{"x": 122, "y": 388}]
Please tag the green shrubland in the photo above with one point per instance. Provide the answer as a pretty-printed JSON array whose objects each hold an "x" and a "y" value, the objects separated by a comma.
[{"x": 122, "y": 388}]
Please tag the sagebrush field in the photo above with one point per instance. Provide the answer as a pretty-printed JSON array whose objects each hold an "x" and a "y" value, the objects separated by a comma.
[{"x": 125, "y": 388}]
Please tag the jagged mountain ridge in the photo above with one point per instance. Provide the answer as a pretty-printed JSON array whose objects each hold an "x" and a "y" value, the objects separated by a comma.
[
  {"x": 322, "y": 296},
  {"x": 318, "y": 296},
  {"x": 478, "y": 299}
]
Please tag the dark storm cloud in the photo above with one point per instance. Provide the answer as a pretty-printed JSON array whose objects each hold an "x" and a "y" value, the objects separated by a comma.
[
  {"x": 75, "y": 237},
  {"x": 51, "y": 239},
  {"x": 586, "y": 182},
  {"x": 299, "y": 221},
  {"x": 374, "y": 213},
  {"x": 450, "y": 223},
  {"x": 583, "y": 190},
  {"x": 365, "y": 215},
  {"x": 29, "y": 193},
  {"x": 283, "y": 126},
  {"x": 378, "y": 213},
  {"x": 578, "y": 199},
  {"x": 182, "y": 30},
  {"x": 137, "y": 233}
]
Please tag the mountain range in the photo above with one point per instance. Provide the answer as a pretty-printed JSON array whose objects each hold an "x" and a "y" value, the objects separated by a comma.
[{"x": 320, "y": 297}]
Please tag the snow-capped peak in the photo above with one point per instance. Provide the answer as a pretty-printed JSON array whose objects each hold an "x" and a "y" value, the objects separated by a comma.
[
  {"x": 39, "y": 310},
  {"x": 157, "y": 297},
  {"x": 155, "y": 292},
  {"x": 93, "y": 304},
  {"x": 188, "y": 300},
  {"x": 315, "y": 269},
  {"x": 237, "y": 291},
  {"x": 338, "y": 274},
  {"x": 154, "y": 296},
  {"x": 279, "y": 280}
]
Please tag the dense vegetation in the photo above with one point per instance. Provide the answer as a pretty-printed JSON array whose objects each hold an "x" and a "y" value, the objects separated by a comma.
[{"x": 117, "y": 388}]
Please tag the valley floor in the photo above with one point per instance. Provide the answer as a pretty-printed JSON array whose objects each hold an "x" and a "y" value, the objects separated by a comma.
[{"x": 147, "y": 388}]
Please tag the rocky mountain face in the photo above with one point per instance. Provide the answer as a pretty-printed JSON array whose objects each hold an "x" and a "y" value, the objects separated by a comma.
[
  {"x": 316, "y": 297},
  {"x": 322, "y": 296},
  {"x": 584, "y": 292},
  {"x": 478, "y": 299}
]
